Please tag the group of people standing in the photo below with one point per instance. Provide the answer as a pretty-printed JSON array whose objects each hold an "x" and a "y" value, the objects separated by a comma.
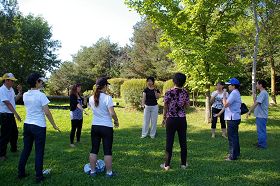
[{"x": 225, "y": 105}]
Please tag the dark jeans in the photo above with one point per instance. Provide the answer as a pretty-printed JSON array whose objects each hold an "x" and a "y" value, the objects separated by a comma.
[
  {"x": 215, "y": 119},
  {"x": 174, "y": 125},
  {"x": 33, "y": 133},
  {"x": 233, "y": 138},
  {"x": 76, "y": 125},
  {"x": 9, "y": 133}
]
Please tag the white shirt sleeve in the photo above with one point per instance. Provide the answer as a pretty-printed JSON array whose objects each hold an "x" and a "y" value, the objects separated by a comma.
[
  {"x": 91, "y": 102},
  {"x": 213, "y": 93},
  {"x": 44, "y": 100},
  {"x": 110, "y": 102},
  {"x": 3, "y": 95}
]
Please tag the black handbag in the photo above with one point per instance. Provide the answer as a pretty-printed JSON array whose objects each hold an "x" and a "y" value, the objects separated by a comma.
[{"x": 244, "y": 108}]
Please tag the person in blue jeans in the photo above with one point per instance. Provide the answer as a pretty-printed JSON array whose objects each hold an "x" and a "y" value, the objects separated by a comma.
[
  {"x": 34, "y": 130},
  {"x": 232, "y": 105},
  {"x": 260, "y": 108}
]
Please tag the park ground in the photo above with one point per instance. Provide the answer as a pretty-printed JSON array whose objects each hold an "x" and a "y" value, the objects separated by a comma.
[{"x": 137, "y": 161}]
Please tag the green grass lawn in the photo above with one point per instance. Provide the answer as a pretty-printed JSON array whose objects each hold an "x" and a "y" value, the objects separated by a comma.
[{"x": 137, "y": 161}]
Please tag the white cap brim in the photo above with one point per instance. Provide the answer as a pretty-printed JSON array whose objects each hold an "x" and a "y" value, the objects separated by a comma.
[{"x": 43, "y": 79}]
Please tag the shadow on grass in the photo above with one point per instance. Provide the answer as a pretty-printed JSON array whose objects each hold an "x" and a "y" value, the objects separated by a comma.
[{"x": 137, "y": 161}]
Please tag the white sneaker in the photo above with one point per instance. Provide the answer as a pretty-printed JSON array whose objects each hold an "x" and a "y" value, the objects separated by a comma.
[
  {"x": 143, "y": 137},
  {"x": 72, "y": 145},
  {"x": 184, "y": 166},
  {"x": 166, "y": 168}
]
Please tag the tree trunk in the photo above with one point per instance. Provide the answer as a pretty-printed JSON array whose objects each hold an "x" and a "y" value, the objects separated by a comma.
[
  {"x": 273, "y": 81},
  {"x": 207, "y": 104},
  {"x": 256, "y": 47}
]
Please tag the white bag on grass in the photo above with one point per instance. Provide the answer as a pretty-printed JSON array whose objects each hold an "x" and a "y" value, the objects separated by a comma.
[{"x": 100, "y": 167}]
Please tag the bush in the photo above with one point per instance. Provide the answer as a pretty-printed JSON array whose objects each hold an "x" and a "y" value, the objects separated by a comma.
[
  {"x": 132, "y": 91},
  {"x": 115, "y": 87},
  {"x": 167, "y": 85},
  {"x": 159, "y": 86}
]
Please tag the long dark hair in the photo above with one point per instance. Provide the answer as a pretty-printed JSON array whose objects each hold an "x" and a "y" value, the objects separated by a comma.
[
  {"x": 96, "y": 94},
  {"x": 74, "y": 90}
]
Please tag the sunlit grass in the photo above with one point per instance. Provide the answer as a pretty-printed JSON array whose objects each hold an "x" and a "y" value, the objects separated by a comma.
[{"x": 137, "y": 160}]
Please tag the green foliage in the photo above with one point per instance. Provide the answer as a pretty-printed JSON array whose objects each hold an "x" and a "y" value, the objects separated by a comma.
[
  {"x": 132, "y": 91},
  {"x": 115, "y": 86},
  {"x": 61, "y": 79},
  {"x": 146, "y": 57},
  {"x": 159, "y": 85},
  {"x": 199, "y": 34},
  {"x": 167, "y": 85},
  {"x": 101, "y": 59},
  {"x": 26, "y": 43}
]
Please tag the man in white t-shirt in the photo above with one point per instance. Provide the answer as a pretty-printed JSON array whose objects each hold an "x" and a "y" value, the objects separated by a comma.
[{"x": 9, "y": 131}]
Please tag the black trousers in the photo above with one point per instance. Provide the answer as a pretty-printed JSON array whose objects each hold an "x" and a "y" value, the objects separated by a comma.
[
  {"x": 174, "y": 125},
  {"x": 33, "y": 133},
  {"x": 106, "y": 134},
  {"x": 76, "y": 127},
  {"x": 9, "y": 133},
  {"x": 215, "y": 119}
]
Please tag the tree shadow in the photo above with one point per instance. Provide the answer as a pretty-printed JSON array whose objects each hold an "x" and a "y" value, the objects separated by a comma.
[{"x": 137, "y": 160}]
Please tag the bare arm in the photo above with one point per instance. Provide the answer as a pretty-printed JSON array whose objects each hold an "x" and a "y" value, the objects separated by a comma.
[
  {"x": 225, "y": 102},
  {"x": 157, "y": 94},
  {"x": 251, "y": 109},
  {"x": 114, "y": 116},
  {"x": 19, "y": 95},
  {"x": 221, "y": 112},
  {"x": 143, "y": 99},
  {"x": 164, "y": 114},
  {"x": 50, "y": 117},
  {"x": 11, "y": 108}
]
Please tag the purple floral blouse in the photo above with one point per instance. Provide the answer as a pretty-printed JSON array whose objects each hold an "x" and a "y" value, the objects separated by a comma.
[{"x": 176, "y": 100}]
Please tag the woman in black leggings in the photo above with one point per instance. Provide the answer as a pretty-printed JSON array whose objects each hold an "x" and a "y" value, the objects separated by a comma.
[
  {"x": 76, "y": 113},
  {"x": 175, "y": 102}
]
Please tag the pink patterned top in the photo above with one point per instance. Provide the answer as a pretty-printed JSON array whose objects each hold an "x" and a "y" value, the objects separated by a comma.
[{"x": 176, "y": 100}]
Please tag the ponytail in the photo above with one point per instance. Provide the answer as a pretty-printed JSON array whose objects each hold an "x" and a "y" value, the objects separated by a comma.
[{"x": 96, "y": 95}]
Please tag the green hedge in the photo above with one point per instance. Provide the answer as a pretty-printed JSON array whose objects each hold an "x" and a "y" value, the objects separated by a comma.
[
  {"x": 132, "y": 91},
  {"x": 168, "y": 85},
  {"x": 115, "y": 87},
  {"x": 159, "y": 86}
]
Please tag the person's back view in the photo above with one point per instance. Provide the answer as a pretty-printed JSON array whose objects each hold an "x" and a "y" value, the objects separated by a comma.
[
  {"x": 102, "y": 127},
  {"x": 101, "y": 113}
]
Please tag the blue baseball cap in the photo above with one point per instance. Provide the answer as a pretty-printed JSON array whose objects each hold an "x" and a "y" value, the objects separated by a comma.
[{"x": 233, "y": 81}]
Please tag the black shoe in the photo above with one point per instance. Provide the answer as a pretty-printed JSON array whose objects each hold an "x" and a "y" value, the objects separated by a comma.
[
  {"x": 40, "y": 179},
  {"x": 14, "y": 150},
  {"x": 22, "y": 176}
]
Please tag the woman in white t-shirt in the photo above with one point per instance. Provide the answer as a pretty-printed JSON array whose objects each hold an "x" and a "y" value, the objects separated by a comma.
[
  {"x": 218, "y": 109},
  {"x": 36, "y": 104},
  {"x": 102, "y": 127}
]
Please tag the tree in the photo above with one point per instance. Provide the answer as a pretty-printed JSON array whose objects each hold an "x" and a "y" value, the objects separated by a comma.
[
  {"x": 269, "y": 17},
  {"x": 256, "y": 48},
  {"x": 61, "y": 79},
  {"x": 145, "y": 56},
  {"x": 26, "y": 43},
  {"x": 199, "y": 34},
  {"x": 101, "y": 59}
]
